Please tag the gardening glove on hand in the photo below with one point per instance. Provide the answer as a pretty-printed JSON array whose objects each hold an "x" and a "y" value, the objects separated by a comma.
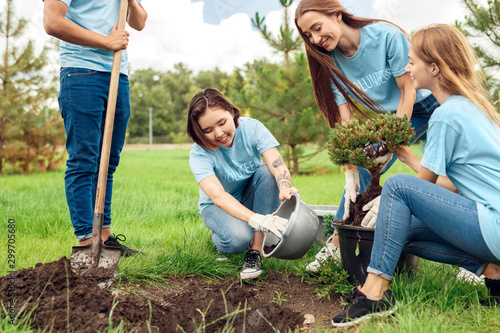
[
  {"x": 384, "y": 160},
  {"x": 370, "y": 218},
  {"x": 268, "y": 223},
  {"x": 351, "y": 190}
]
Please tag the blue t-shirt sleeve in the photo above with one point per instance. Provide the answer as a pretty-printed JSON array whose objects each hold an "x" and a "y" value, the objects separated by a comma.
[
  {"x": 264, "y": 139},
  {"x": 397, "y": 53},
  {"x": 339, "y": 98},
  {"x": 440, "y": 146},
  {"x": 201, "y": 164}
]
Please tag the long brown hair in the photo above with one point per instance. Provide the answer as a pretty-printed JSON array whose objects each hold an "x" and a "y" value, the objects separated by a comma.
[
  {"x": 448, "y": 48},
  {"x": 323, "y": 69},
  {"x": 203, "y": 100}
]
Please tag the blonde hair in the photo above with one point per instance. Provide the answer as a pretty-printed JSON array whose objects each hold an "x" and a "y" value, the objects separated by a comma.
[
  {"x": 448, "y": 48},
  {"x": 322, "y": 68}
]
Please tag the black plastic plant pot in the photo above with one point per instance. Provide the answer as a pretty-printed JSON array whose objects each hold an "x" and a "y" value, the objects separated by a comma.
[{"x": 355, "y": 249}]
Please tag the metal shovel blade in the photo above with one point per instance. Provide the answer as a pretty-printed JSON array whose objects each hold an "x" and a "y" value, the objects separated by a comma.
[{"x": 104, "y": 271}]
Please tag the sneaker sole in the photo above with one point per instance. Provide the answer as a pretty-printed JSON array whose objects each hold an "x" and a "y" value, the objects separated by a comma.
[
  {"x": 253, "y": 275},
  {"x": 366, "y": 317}
]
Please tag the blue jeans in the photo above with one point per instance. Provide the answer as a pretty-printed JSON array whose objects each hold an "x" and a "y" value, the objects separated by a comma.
[
  {"x": 428, "y": 221},
  {"x": 83, "y": 97},
  {"x": 422, "y": 112},
  {"x": 231, "y": 235}
]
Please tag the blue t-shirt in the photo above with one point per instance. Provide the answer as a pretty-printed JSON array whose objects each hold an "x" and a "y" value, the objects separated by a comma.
[
  {"x": 97, "y": 16},
  {"x": 233, "y": 166},
  {"x": 463, "y": 144},
  {"x": 381, "y": 57}
]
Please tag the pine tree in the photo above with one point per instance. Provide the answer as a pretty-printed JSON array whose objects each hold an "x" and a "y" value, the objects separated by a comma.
[
  {"x": 281, "y": 96},
  {"x": 360, "y": 144},
  {"x": 30, "y": 130},
  {"x": 482, "y": 28}
]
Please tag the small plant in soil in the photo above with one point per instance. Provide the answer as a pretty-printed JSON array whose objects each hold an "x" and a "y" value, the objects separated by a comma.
[
  {"x": 360, "y": 144},
  {"x": 279, "y": 298},
  {"x": 328, "y": 228},
  {"x": 331, "y": 279}
]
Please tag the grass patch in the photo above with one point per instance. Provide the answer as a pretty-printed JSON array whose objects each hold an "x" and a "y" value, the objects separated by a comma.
[{"x": 155, "y": 206}]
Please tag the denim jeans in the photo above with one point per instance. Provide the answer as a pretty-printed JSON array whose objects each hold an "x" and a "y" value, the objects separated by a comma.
[
  {"x": 428, "y": 221},
  {"x": 422, "y": 112},
  {"x": 83, "y": 97},
  {"x": 231, "y": 235}
]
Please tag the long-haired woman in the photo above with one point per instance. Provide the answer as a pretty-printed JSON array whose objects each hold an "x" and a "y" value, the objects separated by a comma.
[{"x": 362, "y": 59}]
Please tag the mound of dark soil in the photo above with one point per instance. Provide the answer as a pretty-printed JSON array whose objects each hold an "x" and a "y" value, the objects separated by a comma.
[{"x": 62, "y": 301}]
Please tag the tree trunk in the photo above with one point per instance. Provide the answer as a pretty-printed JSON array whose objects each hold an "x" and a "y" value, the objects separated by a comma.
[
  {"x": 295, "y": 166},
  {"x": 356, "y": 212},
  {"x": 2, "y": 133}
]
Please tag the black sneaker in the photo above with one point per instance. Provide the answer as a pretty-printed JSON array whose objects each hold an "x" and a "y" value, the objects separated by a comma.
[
  {"x": 493, "y": 287},
  {"x": 253, "y": 265},
  {"x": 125, "y": 251},
  {"x": 360, "y": 308}
]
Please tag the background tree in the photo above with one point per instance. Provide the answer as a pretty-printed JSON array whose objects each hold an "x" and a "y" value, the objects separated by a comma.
[
  {"x": 482, "y": 28},
  {"x": 30, "y": 126},
  {"x": 360, "y": 144},
  {"x": 281, "y": 96},
  {"x": 168, "y": 93},
  {"x": 212, "y": 79},
  {"x": 146, "y": 91}
]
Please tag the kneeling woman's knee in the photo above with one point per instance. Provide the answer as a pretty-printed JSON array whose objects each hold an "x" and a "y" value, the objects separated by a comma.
[
  {"x": 396, "y": 181},
  {"x": 237, "y": 241}
]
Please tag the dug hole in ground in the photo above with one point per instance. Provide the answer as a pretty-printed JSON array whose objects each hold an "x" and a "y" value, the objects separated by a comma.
[{"x": 60, "y": 300}]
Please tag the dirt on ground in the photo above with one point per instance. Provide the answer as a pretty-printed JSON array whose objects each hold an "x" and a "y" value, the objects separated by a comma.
[{"x": 60, "y": 300}]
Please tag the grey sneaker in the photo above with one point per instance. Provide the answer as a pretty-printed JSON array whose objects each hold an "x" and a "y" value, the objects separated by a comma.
[
  {"x": 125, "y": 251},
  {"x": 252, "y": 267},
  {"x": 360, "y": 308}
]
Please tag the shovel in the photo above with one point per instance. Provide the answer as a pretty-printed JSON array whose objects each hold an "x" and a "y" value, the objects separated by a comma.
[{"x": 97, "y": 259}]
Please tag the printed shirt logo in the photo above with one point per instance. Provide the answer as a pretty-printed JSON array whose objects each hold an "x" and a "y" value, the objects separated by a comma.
[
  {"x": 240, "y": 173},
  {"x": 373, "y": 80}
]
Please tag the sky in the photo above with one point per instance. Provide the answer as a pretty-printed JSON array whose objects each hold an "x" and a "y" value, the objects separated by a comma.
[{"x": 205, "y": 34}]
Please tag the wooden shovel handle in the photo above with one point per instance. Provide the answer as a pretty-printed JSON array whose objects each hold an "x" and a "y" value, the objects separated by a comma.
[
  {"x": 110, "y": 116},
  {"x": 106, "y": 141}
]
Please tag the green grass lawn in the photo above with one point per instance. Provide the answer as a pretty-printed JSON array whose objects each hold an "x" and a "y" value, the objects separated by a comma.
[{"x": 155, "y": 207}]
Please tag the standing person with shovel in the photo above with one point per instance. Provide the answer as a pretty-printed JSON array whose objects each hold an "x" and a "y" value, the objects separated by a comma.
[{"x": 90, "y": 36}]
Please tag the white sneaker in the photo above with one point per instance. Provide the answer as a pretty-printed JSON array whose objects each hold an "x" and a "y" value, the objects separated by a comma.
[
  {"x": 328, "y": 251},
  {"x": 468, "y": 276}
]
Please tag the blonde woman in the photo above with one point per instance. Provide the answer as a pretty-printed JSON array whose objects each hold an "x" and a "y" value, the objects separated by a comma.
[{"x": 424, "y": 215}]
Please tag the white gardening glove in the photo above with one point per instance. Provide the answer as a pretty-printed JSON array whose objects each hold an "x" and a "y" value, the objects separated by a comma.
[
  {"x": 370, "y": 218},
  {"x": 268, "y": 223},
  {"x": 351, "y": 189},
  {"x": 384, "y": 160}
]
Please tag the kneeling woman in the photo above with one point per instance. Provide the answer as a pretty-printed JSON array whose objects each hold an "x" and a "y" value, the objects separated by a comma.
[
  {"x": 238, "y": 193},
  {"x": 424, "y": 215}
]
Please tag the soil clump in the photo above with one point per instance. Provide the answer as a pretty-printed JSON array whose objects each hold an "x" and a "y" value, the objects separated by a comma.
[{"x": 61, "y": 300}]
